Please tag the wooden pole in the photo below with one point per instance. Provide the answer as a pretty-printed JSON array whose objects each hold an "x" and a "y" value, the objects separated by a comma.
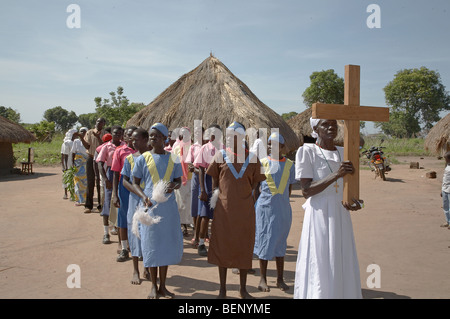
[{"x": 351, "y": 130}]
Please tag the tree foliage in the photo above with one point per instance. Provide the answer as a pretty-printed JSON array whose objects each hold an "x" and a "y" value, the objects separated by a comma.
[
  {"x": 10, "y": 114},
  {"x": 326, "y": 87},
  {"x": 88, "y": 120},
  {"x": 416, "y": 97},
  {"x": 401, "y": 125},
  {"x": 287, "y": 116},
  {"x": 63, "y": 119},
  {"x": 43, "y": 130},
  {"x": 117, "y": 109}
]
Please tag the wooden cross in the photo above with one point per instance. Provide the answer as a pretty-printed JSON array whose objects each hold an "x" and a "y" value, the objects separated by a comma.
[{"x": 351, "y": 112}]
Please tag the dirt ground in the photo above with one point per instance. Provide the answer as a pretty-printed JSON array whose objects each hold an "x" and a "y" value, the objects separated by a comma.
[{"x": 398, "y": 231}]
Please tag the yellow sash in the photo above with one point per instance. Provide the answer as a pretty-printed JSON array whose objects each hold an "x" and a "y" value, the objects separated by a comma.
[
  {"x": 284, "y": 177},
  {"x": 154, "y": 171},
  {"x": 130, "y": 159}
]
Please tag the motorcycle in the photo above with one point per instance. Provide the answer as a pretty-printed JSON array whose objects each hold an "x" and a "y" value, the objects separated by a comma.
[{"x": 378, "y": 162}]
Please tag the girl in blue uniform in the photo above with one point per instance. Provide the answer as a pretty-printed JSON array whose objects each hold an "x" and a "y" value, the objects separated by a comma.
[
  {"x": 140, "y": 142},
  {"x": 273, "y": 212},
  {"x": 162, "y": 243}
]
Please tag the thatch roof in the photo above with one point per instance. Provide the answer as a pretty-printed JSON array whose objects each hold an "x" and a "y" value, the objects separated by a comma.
[
  {"x": 438, "y": 139},
  {"x": 213, "y": 94},
  {"x": 301, "y": 126},
  {"x": 11, "y": 132}
]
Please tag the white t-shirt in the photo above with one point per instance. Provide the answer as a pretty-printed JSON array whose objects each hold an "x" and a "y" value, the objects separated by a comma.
[
  {"x": 65, "y": 149},
  {"x": 446, "y": 180},
  {"x": 78, "y": 147}
]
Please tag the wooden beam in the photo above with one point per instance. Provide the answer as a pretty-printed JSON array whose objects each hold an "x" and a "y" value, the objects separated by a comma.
[
  {"x": 351, "y": 133},
  {"x": 352, "y": 113}
]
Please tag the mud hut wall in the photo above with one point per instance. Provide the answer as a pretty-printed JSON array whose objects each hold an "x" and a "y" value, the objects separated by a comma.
[{"x": 6, "y": 158}]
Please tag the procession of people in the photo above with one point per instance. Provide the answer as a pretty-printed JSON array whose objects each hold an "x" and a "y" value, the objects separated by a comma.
[{"x": 153, "y": 185}]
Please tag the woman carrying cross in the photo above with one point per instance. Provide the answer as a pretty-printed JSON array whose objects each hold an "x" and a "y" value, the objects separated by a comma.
[{"x": 327, "y": 264}]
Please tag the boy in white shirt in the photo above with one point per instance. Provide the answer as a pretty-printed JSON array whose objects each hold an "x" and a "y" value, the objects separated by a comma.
[{"x": 445, "y": 194}]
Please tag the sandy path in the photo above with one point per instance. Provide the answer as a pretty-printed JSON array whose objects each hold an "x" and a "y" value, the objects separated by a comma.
[{"x": 42, "y": 234}]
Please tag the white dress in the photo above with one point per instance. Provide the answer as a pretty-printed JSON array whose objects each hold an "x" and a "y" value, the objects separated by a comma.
[{"x": 327, "y": 264}]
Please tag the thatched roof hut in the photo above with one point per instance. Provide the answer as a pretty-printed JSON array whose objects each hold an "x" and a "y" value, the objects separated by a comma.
[
  {"x": 11, "y": 132},
  {"x": 438, "y": 138},
  {"x": 301, "y": 126},
  {"x": 213, "y": 94}
]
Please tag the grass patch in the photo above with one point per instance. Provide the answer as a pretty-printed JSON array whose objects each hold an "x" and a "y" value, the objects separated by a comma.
[
  {"x": 394, "y": 147},
  {"x": 399, "y": 146},
  {"x": 45, "y": 153}
]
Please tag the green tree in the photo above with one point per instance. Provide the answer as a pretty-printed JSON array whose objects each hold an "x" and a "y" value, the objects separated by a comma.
[
  {"x": 88, "y": 120},
  {"x": 416, "y": 96},
  {"x": 62, "y": 118},
  {"x": 43, "y": 131},
  {"x": 287, "y": 116},
  {"x": 117, "y": 109},
  {"x": 10, "y": 114},
  {"x": 401, "y": 125},
  {"x": 326, "y": 87}
]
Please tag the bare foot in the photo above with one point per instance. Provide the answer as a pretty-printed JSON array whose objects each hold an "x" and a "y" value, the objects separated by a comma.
[
  {"x": 282, "y": 285},
  {"x": 146, "y": 274},
  {"x": 245, "y": 295},
  {"x": 135, "y": 280},
  {"x": 222, "y": 294},
  {"x": 163, "y": 292},
  {"x": 153, "y": 294},
  {"x": 263, "y": 286}
]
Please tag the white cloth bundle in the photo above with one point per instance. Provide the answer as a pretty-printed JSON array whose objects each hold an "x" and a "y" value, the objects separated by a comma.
[
  {"x": 214, "y": 198},
  {"x": 142, "y": 216},
  {"x": 159, "y": 192}
]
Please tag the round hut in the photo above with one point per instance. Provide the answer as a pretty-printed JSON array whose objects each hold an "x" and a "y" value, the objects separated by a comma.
[
  {"x": 11, "y": 132},
  {"x": 437, "y": 140},
  {"x": 301, "y": 126},
  {"x": 213, "y": 94}
]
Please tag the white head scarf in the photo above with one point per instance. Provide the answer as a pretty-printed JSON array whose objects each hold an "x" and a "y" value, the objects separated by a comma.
[
  {"x": 313, "y": 123},
  {"x": 69, "y": 135}
]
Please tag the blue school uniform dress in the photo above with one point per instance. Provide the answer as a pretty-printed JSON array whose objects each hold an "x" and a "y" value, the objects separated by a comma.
[
  {"x": 195, "y": 193},
  {"x": 273, "y": 210},
  {"x": 162, "y": 243},
  {"x": 124, "y": 195},
  {"x": 133, "y": 201}
]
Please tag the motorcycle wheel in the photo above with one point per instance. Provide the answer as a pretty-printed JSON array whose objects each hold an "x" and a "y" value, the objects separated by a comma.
[{"x": 381, "y": 171}]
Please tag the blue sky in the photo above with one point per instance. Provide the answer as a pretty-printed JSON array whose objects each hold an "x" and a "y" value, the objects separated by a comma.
[{"x": 273, "y": 46}]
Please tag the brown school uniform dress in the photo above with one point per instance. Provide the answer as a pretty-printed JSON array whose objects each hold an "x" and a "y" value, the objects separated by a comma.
[{"x": 233, "y": 226}]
